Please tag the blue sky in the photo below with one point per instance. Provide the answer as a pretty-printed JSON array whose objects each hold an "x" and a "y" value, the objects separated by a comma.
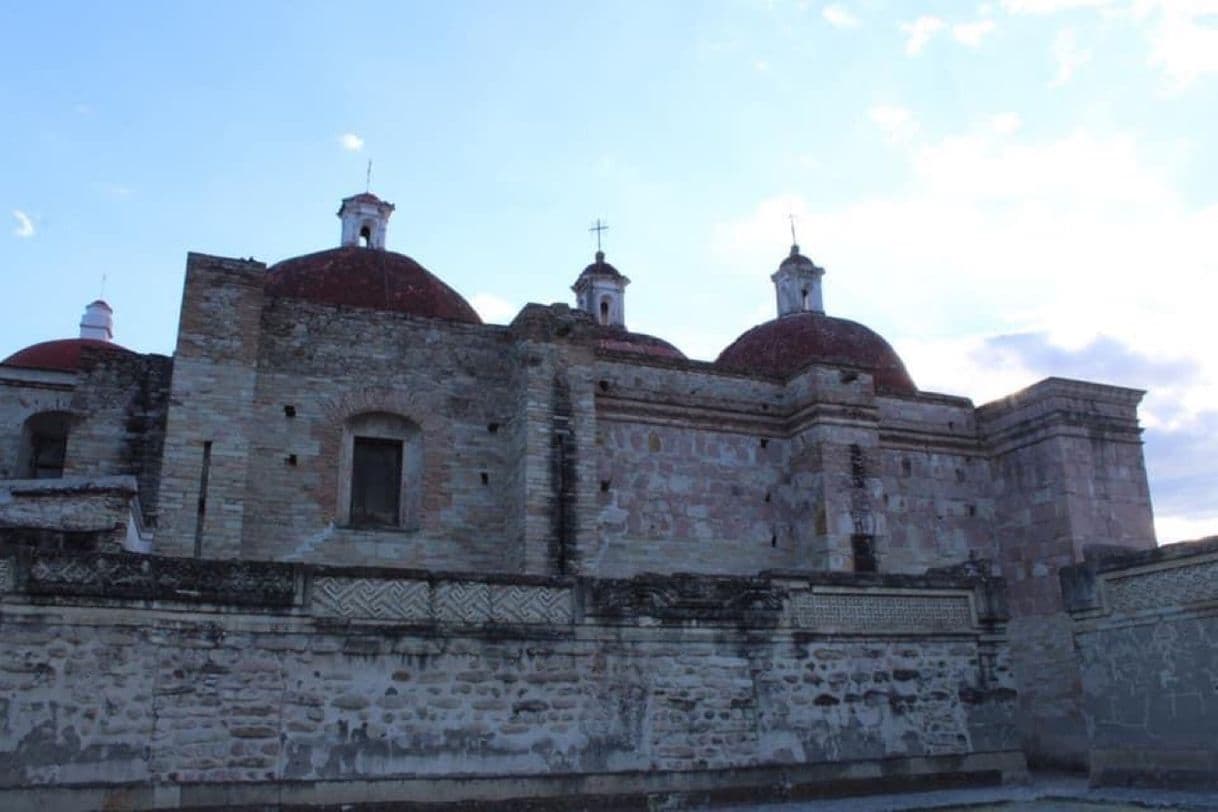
[{"x": 1006, "y": 190}]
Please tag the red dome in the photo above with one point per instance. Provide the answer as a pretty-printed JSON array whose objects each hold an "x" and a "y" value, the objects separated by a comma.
[
  {"x": 619, "y": 340},
  {"x": 368, "y": 277},
  {"x": 786, "y": 345},
  {"x": 62, "y": 354}
]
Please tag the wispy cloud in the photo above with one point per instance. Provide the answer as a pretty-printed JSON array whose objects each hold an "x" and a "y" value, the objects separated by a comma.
[
  {"x": 898, "y": 123},
  {"x": 1005, "y": 123},
  {"x": 1184, "y": 42},
  {"x": 25, "y": 225},
  {"x": 839, "y": 16},
  {"x": 1049, "y": 6},
  {"x": 351, "y": 142},
  {"x": 919, "y": 32},
  {"x": 971, "y": 34},
  {"x": 1068, "y": 55}
]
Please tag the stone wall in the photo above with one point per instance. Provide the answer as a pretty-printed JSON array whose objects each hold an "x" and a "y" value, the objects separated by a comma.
[
  {"x": 207, "y": 446},
  {"x": 177, "y": 682},
  {"x": 120, "y": 406},
  {"x": 937, "y": 501},
  {"x": 1145, "y": 627},
  {"x": 319, "y": 367},
  {"x": 1067, "y": 471}
]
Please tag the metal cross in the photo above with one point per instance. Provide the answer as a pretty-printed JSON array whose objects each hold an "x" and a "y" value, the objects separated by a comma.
[
  {"x": 791, "y": 217},
  {"x": 598, "y": 228},
  {"x": 368, "y": 177}
]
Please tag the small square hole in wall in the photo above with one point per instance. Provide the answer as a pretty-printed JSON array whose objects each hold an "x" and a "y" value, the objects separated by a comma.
[
  {"x": 604, "y": 486},
  {"x": 765, "y": 442},
  {"x": 289, "y": 410},
  {"x": 486, "y": 478},
  {"x": 291, "y": 459},
  {"x": 604, "y": 385},
  {"x": 767, "y": 498},
  {"x": 492, "y": 427}
]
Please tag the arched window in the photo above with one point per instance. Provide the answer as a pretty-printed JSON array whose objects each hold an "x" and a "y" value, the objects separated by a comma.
[
  {"x": 44, "y": 445},
  {"x": 807, "y": 301},
  {"x": 380, "y": 471},
  {"x": 604, "y": 311},
  {"x": 365, "y": 235}
]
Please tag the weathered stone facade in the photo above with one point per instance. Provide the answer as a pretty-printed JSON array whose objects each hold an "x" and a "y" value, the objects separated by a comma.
[{"x": 248, "y": 675}]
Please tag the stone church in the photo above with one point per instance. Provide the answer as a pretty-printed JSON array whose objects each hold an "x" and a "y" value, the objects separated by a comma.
[{"x": 348, "y": 409}]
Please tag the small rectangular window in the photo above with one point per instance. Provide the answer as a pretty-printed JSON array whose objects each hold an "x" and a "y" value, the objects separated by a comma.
[
  {"x": 48, "y": 452},
  {"x": 863, "y": 548},
  {"x": 376, "y": 481}
]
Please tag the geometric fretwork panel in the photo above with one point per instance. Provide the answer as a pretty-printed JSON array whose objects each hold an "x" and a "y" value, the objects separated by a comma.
[
  {"x": 373, "y": 598},
  {"x": 462, "y": 602},
  {"x": 530, "y": 604},
  {"x": 878, "y": 613},
  {"x": 1164, "y": 588}
]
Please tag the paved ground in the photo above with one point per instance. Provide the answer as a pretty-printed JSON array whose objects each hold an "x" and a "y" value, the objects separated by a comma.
[{"x": 1044, "y": 792}]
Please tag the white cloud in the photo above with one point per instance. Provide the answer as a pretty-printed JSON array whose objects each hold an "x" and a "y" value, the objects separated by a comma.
[
  {"x": 492, "y": 308},
  {"x": 1050, "y": 6},
  {"x": 761, "y": 66},
  {"x": 919, "y": 32},
  {"x": 1068, "y": 56},
  {"x": 1005, "y": 123},
  {"x": 1184, "y": 43},
  {"x": 839, "y": 16},
  {"x": 1181, "y": 35},
  {"x": 898, "y": 123},
  {"x": 971, "y": 34},
  {"x": 351, "y": 142},
  {"x": 25, "y": 225}
]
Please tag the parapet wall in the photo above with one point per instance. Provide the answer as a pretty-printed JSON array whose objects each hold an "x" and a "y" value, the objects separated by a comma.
[
  {"x": 146, "y": 680},
  {"x": 1146, "y": 633}
]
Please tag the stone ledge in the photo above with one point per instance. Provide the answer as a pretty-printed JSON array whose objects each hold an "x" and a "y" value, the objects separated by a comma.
[
  {"x": 828, "y": 603},
  {"x": 149, "y": 577},
  {"x": 593, "y": 790}
]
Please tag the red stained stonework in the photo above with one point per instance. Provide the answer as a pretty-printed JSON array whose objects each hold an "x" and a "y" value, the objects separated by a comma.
[
  {"x": 62, "y": 354},
  {"x": 787, "y": 344},
  {"x": 367, "y": 277}
]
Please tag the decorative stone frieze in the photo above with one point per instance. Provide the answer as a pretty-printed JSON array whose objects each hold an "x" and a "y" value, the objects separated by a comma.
[
  {"x": 372, "y": 598},
  {"x": 869, "y": 613},
  {"x": 1137, "y": 591}
]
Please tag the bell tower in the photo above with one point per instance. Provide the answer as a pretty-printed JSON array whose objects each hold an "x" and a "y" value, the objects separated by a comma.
[
  {"x": 797, "y": 285},
  {"x": 97, "y": 322},
  {"x": 600, "y": 289},
  {"x": 365, "y": 218}
]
